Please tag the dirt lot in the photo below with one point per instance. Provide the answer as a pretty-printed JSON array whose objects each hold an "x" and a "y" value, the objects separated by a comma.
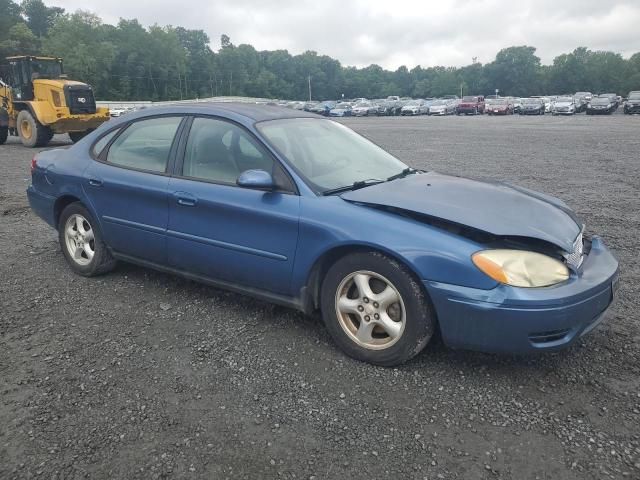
[{"x": 142, "y": 375}]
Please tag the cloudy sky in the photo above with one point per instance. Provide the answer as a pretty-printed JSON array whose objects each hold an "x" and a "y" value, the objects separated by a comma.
[{"x": 394, "y": 32}]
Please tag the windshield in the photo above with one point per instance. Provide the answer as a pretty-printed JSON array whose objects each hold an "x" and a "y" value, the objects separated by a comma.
[
  {"x": 438, "y": 103},
  {"x": 600, "y": 101},
  {"x": 634, "y": 96},
  {"x": 469, "y": 99},
  {"x": 46, "y": 68},
  {"x": 327, "y": 154},
  {"x": 564, "y": 100},
  {"x": 413, "y": 103},
  {"x": 531, "y": 101}
]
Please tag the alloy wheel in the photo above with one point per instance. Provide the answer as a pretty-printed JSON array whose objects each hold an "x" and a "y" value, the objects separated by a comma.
[
  {"x": 79, "y": 239},
  {"x": 370, "y": 310}
]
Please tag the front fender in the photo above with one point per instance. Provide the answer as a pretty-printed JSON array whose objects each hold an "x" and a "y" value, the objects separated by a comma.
[{"x": 432, "y": 254}]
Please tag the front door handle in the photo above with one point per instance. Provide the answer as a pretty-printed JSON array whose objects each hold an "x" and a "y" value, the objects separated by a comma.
[
  {"x": 185, "y": 199},
  {"x": 95, "y": 182}
]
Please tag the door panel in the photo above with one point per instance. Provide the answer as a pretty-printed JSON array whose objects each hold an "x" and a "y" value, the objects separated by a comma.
[
  {"x": 133, "y": 209},
  {"x": 247, "y": 237},
  {"x": 224, "y": 232},
  {"x": 132, "y": 204}
]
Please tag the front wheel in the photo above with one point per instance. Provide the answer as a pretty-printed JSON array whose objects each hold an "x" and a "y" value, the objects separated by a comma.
[
  {"x": 4, "y": 133},
  {"x": 32, "y": 133},
  {"x": 375, "y": 310},
  {"x": 81, "y": 242}
]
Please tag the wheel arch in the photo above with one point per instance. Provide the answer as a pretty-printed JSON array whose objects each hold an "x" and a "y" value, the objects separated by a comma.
[
  {"x": 63, "y": 202},
  {"x": 313, "y": 285}
]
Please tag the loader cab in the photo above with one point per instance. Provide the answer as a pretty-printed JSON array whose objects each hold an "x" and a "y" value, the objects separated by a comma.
[{"x": 23, "y": 70}]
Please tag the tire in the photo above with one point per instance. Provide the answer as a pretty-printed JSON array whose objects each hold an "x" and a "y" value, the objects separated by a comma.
[
  {"x": 410, "y": 318},
  {"x": 93, "y": 258},
  {"x": 4, "y": 133},
  {"x": 31, "y": 132},
  {"x": 77, "y": 136}
]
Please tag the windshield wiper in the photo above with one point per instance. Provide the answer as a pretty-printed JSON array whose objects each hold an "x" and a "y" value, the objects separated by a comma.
[
  {"x": 403, "y": 173},
  {"x": 354, "y": 186}
]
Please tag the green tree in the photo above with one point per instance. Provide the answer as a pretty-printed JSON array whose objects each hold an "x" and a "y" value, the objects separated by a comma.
[
  {"x": 40, "y": 18},
  {"x": 20, "y": 41},
  {"x": 515, "y": 71}
]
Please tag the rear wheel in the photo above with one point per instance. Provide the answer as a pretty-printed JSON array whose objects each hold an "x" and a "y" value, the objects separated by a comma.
[
  {"x": 31, "y": 132},
  {"x": 81, "y": 242},
  {"x": 375, "y": 310},
  {"x": 4, "y": 133}
]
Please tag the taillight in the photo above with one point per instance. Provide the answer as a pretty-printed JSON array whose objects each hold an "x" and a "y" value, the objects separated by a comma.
[{"x": 34, "y": 165}]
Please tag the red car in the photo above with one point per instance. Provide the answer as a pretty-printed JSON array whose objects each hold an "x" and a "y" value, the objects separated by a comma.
[
  {"x": 500, "y": 106},
  {"x": 473, "y": 104}
]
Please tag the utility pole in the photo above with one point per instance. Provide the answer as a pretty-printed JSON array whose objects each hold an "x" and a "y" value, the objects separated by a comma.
[
  {"x": 230, "y": 82},
  {"x": 309, "y": 79}
]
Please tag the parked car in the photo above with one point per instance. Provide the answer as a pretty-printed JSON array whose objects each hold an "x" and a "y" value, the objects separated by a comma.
[
  {"x": 517, "y": 105},
  {"x": 323, "y": 108},
  {"x": 241, "y": 207},
  {"x": 632, "y": 105},
  {"x": 471, "y": 104},
  {"x": 532, "y": 106},
  {"x": 415, "y": 107},
  {"x": 613, "y": 97},
  {"x": 563, "y": 106},
  {"x": 581, "y": 100},
  {"x": 601, "y": 106},
  {"x": 500, "y": 106},
  {"x": 442, "y": 107},
  {"x": 393, "y": 98},
  {"x": 364, "y": 109},
  {"x": 390, "y": 107},
  {"x": 119, "y": 111},
  {"x": 342, "y": 109}
]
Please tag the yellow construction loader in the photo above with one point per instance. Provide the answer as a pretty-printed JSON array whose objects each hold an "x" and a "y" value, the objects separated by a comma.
[{"x": 37, "y": 100}]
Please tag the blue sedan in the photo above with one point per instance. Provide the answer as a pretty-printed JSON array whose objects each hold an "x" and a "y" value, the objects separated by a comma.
[{"x": 301, "y": 211}]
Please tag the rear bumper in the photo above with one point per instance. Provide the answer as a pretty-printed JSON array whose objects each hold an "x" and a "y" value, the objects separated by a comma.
[
  {"x": 520, "y": 320},
  {"x": 42, "y": 205}
]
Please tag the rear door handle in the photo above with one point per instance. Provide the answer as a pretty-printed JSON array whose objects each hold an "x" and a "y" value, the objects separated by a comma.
[
  {"x": 185, "y": 199},
  {"x": 95, "y": 183}
]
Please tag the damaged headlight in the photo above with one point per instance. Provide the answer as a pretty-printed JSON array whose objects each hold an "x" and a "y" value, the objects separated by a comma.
[{"x": 520, "y": 268}]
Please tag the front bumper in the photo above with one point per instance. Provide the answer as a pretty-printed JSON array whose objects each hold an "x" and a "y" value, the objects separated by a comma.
[
  {"x": 526, "y": 320},
  {"x": 632, "y": 108}
]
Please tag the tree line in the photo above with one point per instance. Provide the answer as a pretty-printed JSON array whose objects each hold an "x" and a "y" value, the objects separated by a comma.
[{"x": 130, "y": 62}]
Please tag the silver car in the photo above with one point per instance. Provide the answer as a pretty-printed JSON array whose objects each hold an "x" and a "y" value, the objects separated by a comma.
[
  {"x": 415, "y": 107},
  {"x": 442, "y": 107}
]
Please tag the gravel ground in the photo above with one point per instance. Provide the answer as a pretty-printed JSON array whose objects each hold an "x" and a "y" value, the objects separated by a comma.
[{"x": 142, "y": 375}]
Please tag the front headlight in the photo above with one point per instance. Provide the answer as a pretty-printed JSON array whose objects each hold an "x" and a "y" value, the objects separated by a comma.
[{"x": 520, "y": 268}]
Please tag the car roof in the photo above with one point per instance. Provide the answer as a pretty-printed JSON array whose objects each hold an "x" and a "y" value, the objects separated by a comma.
[{"x": 244, "y": 112}]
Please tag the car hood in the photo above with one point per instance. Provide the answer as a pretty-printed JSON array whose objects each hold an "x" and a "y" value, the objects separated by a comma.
[
  {"x": 563, "y": 104},
  {"x": 495, "y": 208}
]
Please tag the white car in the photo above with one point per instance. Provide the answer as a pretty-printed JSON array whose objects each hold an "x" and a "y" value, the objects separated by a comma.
[
  {"x": 116, "y": 112},
  {"x": 415, "y": 107},
  {"x": 442, "y": 107},
  {"x": 563, "y": 106},
  {"x": 364, "y": 109}
]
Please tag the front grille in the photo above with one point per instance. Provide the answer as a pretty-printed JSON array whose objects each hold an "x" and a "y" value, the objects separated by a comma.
[
  {"x": 80, "y": 99},
  {"x": 540, "y": 338}
]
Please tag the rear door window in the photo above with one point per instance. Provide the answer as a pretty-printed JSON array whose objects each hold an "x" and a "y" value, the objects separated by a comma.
[{"x": 145, "y": 144}]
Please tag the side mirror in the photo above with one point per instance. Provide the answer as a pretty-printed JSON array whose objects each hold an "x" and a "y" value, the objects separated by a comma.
[{"x": 256, "y": 179}]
